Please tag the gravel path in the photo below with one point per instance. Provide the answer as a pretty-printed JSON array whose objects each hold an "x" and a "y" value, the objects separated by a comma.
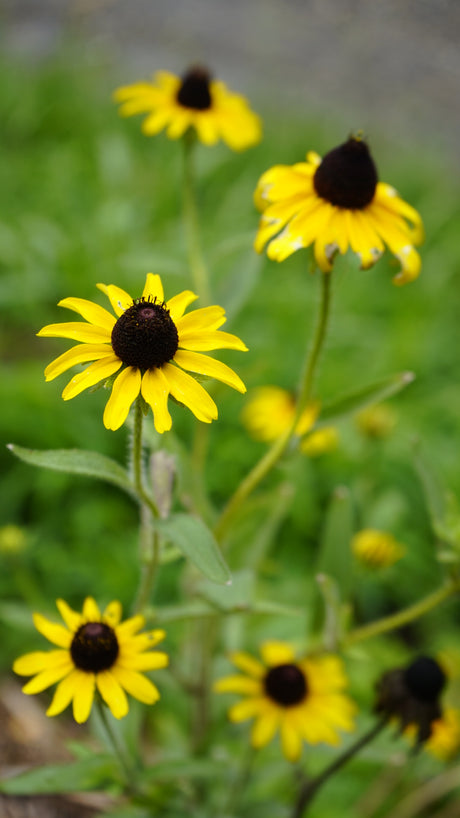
[{"x": 378, "y": 62}]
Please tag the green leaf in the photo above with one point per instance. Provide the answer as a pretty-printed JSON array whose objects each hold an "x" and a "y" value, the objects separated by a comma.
[
  {"x": 237, "y": 596},
  {"x": 76, "y": 461},
  {"x": 174, "y": 769},
  {"x": 443, "y": 510},
  {"x": 366, "y": 396},
  {"x": 196, "y": 542},
  {"x": 97, "y": 772},
  {"x": 334, "y": 557}
]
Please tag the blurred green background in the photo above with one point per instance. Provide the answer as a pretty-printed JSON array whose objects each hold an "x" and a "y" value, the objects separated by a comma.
[{"x": 85, "y": 198}]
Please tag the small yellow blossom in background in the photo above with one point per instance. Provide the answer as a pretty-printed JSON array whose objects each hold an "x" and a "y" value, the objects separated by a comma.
[
  {"x": 196, "y": 101},
  {"x": 320, "y": 442},
  {"x": 152, "y": 341},
  {"x": 13, "y": 539},
  {"x": 444, "y": 741},
  {"x": 270, "y": 411},
  {"x": 376, "y": 421},
  {"x": 335, "y": 203},
  {"x": 95, "y": 651},
  {"x": 376, "y": 549},
  {"x": 303, "y": 699}
]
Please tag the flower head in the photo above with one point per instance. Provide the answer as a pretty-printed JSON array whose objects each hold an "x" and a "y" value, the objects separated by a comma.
[
  {"x": 95, "y": 651},
  {"x": 302, "y": 698},
  {"x": 152, "y": 342},
  {"x": 411, "y": 695},
  {"x": 195, "y": 101},
  {"x": 270, "y": 411},
  {"x": 376, "y": 549},
  {"x": 377, "y": 421},
  {"x": 321, "y": 441},
  {"x": 336, "y": 203}
]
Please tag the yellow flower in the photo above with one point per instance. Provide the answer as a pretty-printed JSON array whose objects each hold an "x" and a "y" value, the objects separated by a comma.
[
  {"x": 302, "y": 698},
  {"x": 95, "y": 651},
  {"x": 376, "y": 549},
  {"x": 334, "y": 204},
  {"x": 444, "y": 742},
  {"x": 320, "y": 442},
  {"x": 152, "y": 342},
  {"x": 270, "y": 412},
  {"x": 192, "y": 101}
]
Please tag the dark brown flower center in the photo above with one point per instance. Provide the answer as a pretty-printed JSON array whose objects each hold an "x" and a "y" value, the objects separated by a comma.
[
  {"x": 425, "y": 679},
  {"x": 145, "y": 336},
  {"x": 194, "y": 91},
  {"x": 347, "y": 176},
  {"x": 94, "y": 647},
  {"x": 286, "y": 685}
]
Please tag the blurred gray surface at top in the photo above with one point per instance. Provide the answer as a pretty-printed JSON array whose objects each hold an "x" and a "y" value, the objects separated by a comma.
[{"x": 381, "y": 63}]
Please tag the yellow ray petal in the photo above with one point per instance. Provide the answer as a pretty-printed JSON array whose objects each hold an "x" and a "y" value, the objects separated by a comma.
[
  {"x": 179, "y": 303},
  {"x": 39, "y": 660},
  {"x": 127, "y": 628},
  {"x": 265, "y": 727},
  {"x": 83, "y": 697},
  {"x": 72, "y": 618},
  {"x": 124, "y": 392},
  {"x": 80, "y": 354},
  {"x": 206, "y": 318},
  {"x": 98, "y": 371},
  {"x": 112, "y": 613},
  {"x": 145, "y": 661},
  {"x": 291, "y": 742},
  {"x": 248, "y": 664},
  {"x": 55, "y": 633},
  {"x": 188, "y": 391},
  {"x": 136, "y": 685},
  {"x": 247, "y": 709},
  {"x": 48, "y": 677},
  {"x": 156, "y": 121},
  {"x": 182, "y": 119},
  {"x": 119, "y": 299},
  {"x": 65, "y": 692},
  {"x": 205, "y": 341},
  {"x": 76, "y": 331},
  {"x": 203, "y": 365},
  {"x": 153, "y": 289},
  {"x": 206, "y": 126},
  {"x": 238, "y": 684},
  {"x": 277, "y": 653},
  {"x": 91, "y": 612},
  {"x": 90, "y": 312},
  {"x": 113, "y": 694},
  {"x": 155, "y": 391}
]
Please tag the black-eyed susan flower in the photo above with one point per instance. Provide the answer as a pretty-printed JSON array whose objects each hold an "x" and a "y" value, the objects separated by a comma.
[
  {"x": 411, "y": 695},
  {"x": 270, "y": 411},
  {"x": 376, "y": 549},
  {"x": 152, "y": 341},
  {"x": 444, "y": 741},
  {"x": 335, "y": 203},
  {"x": 302, "y": 698},
  {"x": 195, "y": 101},
  {"x": 95, "y": 651}
]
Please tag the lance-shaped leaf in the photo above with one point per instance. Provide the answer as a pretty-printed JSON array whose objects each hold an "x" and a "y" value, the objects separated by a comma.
[
  {"x": 366, "y": 396},
  {"x": 443, "y": 509},
  {"x": 196, "y": 542},
  {"x": 76, "y": 461},
  {"x": 92, "y": 773}
]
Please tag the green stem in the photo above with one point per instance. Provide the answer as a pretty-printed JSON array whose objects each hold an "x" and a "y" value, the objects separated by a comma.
[
  {"x": 310, "y": 788},
  {"x": 273, "y": 455},
  {"x": 401, "y": 618},
  {"x": 119, "y": 750},
  {"x": 148, "y": 537},
  {"x": 196, "y": 261}
]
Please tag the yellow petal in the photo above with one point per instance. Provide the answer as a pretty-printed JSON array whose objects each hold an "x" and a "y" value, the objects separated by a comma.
[
  {"x": 247, "y": 709},
  {"x": 187, "y": 391},
  {"x": 65, "y": 692},
  {"x": 238, "y": 684},
  {"x": 179, "y": 303},
  {"x": 153, "y": 289},
  {"x": 112, "y": 693},
  {"x": 127, "y": 628},
  {"x": 277, "y": 653},
  {"x": 124, "y": 392},
  {"x": 91, "y": 612},
  {"x": 136, "y": 685},
  {"x": 55, "y": 633},
  {"x": 145, "y": 661},
  {"x": 155, "y": 123},
  {"x": 83, "y": 697},
  {"x": 119, "y": 299},
  {"x": 112, "y": 613},
  {"x": 248, "y": 664},
  {"x": 291, "y": 741},
  {"x": 136, "y": 643},
  {"x": 98, "y": 371},
  {"x": 48, "y": 677},
  {"x": 204, "y": 365},
  {"x": 264, "y": 728},
  {"x": 206, "y": 318},
  {"x": 72, "y": 619},
  {"x": 80, "y": 354},
  {"x": 180, "y": 121},
  {"x": 90, "y": 312},
  {"x": 155, "y": 391},
  {"x": 205, "y": 340},
  {"x": 39, "y": 660},
  {"x": 206, "y": 127},
  {"x": 76, "y": 331}
]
